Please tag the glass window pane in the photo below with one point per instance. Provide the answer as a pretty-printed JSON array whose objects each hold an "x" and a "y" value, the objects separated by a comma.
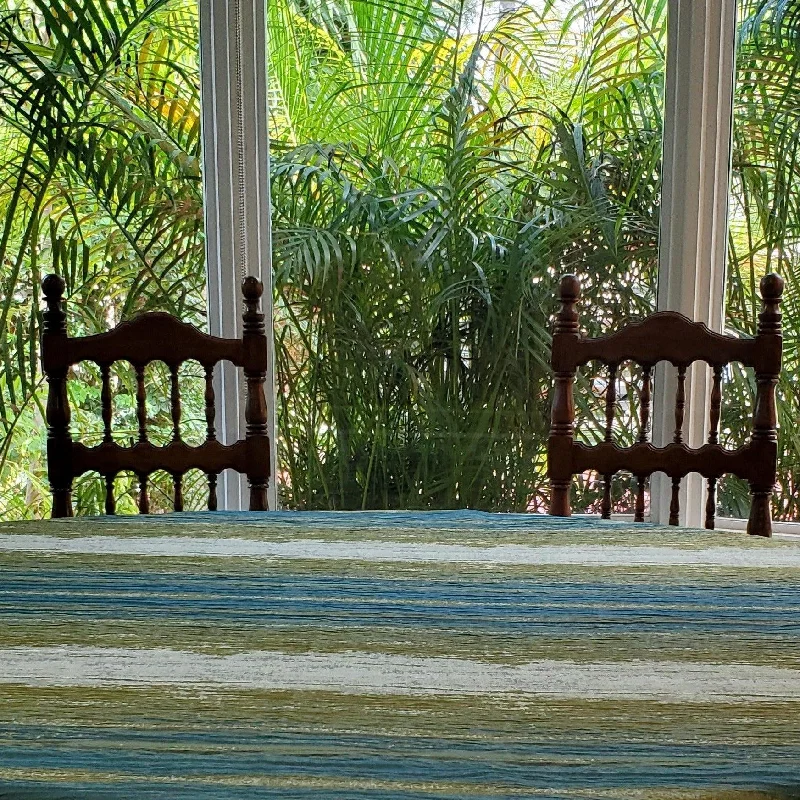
[
  {"x": 100, "y": 177},
  {"x": 436, "y": 167},
  {"x": 765, "y": 225}
]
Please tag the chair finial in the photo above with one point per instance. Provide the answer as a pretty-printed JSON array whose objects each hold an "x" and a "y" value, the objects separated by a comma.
[
  {"x": 772, "y": 286},
  {"x": 569, "y": 291},
  {"x": 53, "y": 287},
  {"x": 569, "y": 288},
  {"x": 252, "y": 288},
  {"x": 769, "y": 321},
  {"x": 55, "y": 318}
]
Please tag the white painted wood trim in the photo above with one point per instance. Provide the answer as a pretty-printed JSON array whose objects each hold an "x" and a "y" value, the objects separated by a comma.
[
  {"x": 694, "y": 215},
  {"x": 233, "y": 68},
  {"x": 778, "y": 528}
]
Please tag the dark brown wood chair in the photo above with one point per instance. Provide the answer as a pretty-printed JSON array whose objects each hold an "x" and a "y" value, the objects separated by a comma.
[
  {"x": 154, "y": 336},
  {"x": 666, "y": 336}
]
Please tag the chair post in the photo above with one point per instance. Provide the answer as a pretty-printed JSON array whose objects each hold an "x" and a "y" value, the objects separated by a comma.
[
  {"x": 255, "y": 370},
  {"x": 765, "y": 433},
  {"x": 562, "y": 417},
  {"x": 55, "y": 365}
]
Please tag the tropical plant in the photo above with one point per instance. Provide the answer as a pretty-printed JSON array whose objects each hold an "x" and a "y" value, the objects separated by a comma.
[
  {"x": 100, "y": 131},
  {"x": 417, "y": 242},
  {"x": 436, "y": 164},
  {"x": 765, "y": 223}
]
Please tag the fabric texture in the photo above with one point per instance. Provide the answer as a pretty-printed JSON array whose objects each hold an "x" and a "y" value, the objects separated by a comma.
[{"x": 396, "y": 655}]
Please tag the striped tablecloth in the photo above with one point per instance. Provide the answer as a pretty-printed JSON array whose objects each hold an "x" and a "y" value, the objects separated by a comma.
[{"x": 393, "y": 656}]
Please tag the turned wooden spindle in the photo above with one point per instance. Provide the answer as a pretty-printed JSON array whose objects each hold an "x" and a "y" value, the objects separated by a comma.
[
  {"x": 644, "y": 435},
  {"x": 257, "y": 433},
  {"x": 105, "y": 402},
  {"x": 177, "y": 482},
  {"x": 111, "y": 503},
  {"x": 175, "y": 403},
  {"x": 212, "y": 491},
  {"x": 716, "y": 406},
  {"x": 144, "y": 500},
  {"x": 611, "y": 401},
  {"x": 605, "y": 505},
  {"x": 711, "y": 504},
  {"x": 675, "y": 502},
  {"x": 562, "y": 418},
  {"x": 713, "y": 438},
  {"x": 141, "y": 402},
  {"x": 639, "y": 509},
  {"x": 646, "y": 398},
  {"x": 211, "y": 433},
  {"x": 211, "y": 411},
  {"x": 765, "y": 419},
  {"x": 680, "y": 404},
  {"x": 55, "y": 366}
]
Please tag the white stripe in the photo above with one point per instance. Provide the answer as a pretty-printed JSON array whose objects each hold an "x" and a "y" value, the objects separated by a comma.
[
  {"x": 586, "y": 555},
  {"x": 364, "y": 673}
]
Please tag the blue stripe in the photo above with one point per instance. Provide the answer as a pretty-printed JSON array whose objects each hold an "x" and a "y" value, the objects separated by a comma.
[
  {"x": 560, "y": 763},
  {"x": 535, "y": 606},
  {"x": 456, "y": 521}
]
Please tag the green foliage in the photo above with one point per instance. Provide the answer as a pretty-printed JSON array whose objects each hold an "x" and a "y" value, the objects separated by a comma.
[
  {"x": 765, "y": 223},
  {"x": 435, "y": 166},
  {"x": 417, "y": 244},
  {"x": 100, "y": 183}
]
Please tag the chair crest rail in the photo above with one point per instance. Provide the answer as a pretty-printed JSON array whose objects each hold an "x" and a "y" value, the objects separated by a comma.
[
  {"x": 679, "y": 341},
  {"x": 157, "y": 336}
]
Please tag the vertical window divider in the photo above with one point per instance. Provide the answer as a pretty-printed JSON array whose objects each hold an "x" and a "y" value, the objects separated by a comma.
[
  {"x": 698, "y": 113},
  {"x": 236, "y": 200}
]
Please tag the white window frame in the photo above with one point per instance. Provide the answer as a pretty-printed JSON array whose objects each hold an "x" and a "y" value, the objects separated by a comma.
[
  {"x": 694, "y": 217},
  {"x": 236, "y": 201},
  {"x": 698, "y": 117}
]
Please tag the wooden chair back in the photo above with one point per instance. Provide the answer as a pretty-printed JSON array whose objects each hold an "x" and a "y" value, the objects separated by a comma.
[
  {"x": 666, "y": 336},
  {"x": 154, "y": 336}
]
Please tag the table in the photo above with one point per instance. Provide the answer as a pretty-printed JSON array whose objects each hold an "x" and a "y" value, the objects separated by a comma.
[{"x": 395, "y": 655}]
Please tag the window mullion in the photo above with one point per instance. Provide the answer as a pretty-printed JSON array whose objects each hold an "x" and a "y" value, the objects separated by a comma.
[
  {"x": 233, "y": 68},
  {"x": 694, "y": 213}
]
